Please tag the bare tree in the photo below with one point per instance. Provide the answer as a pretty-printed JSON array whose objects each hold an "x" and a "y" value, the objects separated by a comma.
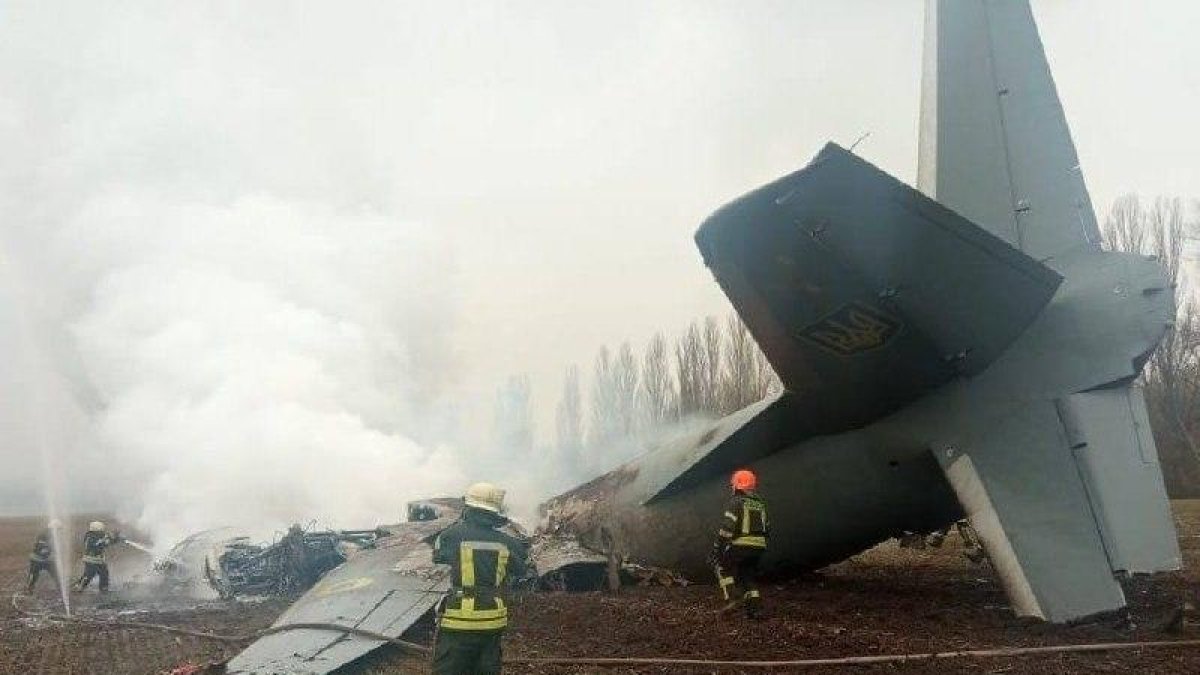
[
  {"x": 625, "y": 386},
  {"x": 713, "y": 341},
  {"x": 747, "y": 376},
  {"x": 1172, "y": 376},
  {"x": 1125, "y": 228},
  {"x": 569, "y": 422},
  {"x": 689, "y": 370},
  {"x": 656, "y": 393},
  {"x": 605, "y": 415}
]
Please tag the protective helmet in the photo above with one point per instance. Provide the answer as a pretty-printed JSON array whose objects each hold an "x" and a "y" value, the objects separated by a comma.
[
  {"x": 54, "y": 524},
  {"x": 743, "y": 479},
  {"x": 485, "y": 496},
  {"x": 95, "y": 526}
]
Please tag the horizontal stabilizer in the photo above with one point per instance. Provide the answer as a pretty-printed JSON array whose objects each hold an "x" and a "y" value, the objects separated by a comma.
[
  {"x": 1017, "y": 480},
  {"x": 865, "y": 294},
  {"x": 1109, "y": 433}
]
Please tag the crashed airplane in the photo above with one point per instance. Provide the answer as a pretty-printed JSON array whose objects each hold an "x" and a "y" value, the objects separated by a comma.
[
  {"x": 967, "y": 349},
  {"x": 963, "y": 350}
]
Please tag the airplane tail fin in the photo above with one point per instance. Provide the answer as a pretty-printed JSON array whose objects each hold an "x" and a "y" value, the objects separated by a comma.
[
  {"x": 995, "y": 146},
  {"x": 865, "y": 294},
  {"x": 1064, "y": 495}
]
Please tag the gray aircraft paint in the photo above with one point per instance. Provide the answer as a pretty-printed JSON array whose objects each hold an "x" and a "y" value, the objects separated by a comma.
[
  {"x": 384, "y": 590},
  {"x": 975, "y": 360},
  {"x": 994, "y": 141}
]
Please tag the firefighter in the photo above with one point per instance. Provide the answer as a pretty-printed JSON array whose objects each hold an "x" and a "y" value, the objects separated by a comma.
[
  {"x": 482, "y": 559},
  {"x": 95, "y": 542},
  {"x": 741, "y": 542},
  {"x": 42, "y": 557}
]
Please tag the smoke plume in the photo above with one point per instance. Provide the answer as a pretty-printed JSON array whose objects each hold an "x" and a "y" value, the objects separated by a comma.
[{"x": 259, "y": 361}]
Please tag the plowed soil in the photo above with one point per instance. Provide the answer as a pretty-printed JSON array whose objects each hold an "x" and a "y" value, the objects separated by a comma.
[{"x": 886, "y": 601}]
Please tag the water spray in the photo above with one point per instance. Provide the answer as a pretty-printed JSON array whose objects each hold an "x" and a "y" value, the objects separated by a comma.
[
  {"x": 47, "y": 450},
  {"x": 158, "y": 562},
  {"x": 144, "y": 548}
]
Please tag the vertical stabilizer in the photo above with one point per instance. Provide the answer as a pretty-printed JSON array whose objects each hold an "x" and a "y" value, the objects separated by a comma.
[{"x": 995, "y": 146}]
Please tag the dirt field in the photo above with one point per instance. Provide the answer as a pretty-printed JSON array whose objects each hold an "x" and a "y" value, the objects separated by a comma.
[{"x": 886, "y": 601}]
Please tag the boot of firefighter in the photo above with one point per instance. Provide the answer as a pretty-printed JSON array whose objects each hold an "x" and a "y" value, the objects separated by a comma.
[
  {"x": 729, "y": 590},
  {"x": 753, "y": 601}
]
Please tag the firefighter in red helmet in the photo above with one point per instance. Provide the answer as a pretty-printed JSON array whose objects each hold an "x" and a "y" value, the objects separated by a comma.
[{"x": 741, "y": 542}]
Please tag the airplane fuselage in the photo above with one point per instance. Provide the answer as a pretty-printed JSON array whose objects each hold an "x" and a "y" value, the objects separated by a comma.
[{"x": 833, "y": 496}]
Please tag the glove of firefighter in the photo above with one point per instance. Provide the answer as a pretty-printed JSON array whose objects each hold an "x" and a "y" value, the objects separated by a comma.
[{"x": 717, "y": 552}]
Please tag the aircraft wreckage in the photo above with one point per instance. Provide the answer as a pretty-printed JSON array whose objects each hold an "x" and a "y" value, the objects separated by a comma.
[
  {"x": 962, "y": 350},
  {"x": 966, "y": 349}
]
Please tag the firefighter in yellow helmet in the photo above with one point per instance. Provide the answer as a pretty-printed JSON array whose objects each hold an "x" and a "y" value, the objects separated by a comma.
[
  {"x": 741, "y": 542},
  {"x": 482, "y": 560},
  {"x": 95, "y": 542}
]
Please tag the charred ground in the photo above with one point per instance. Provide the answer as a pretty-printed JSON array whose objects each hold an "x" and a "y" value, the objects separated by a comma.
[{"x": 888, "y": 600}]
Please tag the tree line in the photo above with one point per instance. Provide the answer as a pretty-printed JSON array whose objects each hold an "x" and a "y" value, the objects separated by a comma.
[{"x": 712, "y": 369}]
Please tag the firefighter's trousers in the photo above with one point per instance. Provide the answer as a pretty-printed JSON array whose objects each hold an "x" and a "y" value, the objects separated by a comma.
[
  {"x": 91, "y": 571},
  {"x": 467, "y": 652},
  {"x": 737, "y": 576},
  {"x": 36, "y": 567}
]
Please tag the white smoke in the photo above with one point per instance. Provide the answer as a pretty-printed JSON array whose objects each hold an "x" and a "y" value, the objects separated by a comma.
[
  {"x": 248, "y": 345},
  {"x": 259, "y": 362}
]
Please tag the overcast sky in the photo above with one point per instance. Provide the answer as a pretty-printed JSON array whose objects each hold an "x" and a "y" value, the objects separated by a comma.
[{"x": 556, "y": 156}]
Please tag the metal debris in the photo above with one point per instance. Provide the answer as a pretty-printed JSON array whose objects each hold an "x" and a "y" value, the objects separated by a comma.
[
  {"x": 647, "y": 575},
  {"x": 289, "y": 566}
]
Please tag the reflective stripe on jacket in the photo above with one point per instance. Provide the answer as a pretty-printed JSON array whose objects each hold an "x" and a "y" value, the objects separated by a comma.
[
  {"x": 482, "y": 559},
  {"x": 745, "y": 521},
  {"x": 94, "y": 544}
]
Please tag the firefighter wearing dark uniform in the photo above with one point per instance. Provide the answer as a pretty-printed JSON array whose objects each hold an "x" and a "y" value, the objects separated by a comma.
[
  {"x": 481, "y": 559},
  {"x": 95, "y": 542},
  {"x": 42, "y": 557},
  {"x": 741, "y": 542}
]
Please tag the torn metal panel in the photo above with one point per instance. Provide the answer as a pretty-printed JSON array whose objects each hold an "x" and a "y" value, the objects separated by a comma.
[
  {"x": 562, "y": 563},
  {"x": 385, "y": 590}
]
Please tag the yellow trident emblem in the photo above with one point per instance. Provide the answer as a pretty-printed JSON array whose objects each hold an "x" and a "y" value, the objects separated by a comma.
[{"x": 852, "y": 329}]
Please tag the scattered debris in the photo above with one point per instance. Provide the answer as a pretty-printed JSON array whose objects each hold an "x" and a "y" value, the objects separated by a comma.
[
  {"x": 289, "y": 566},
  {"x": 972, "y": 548},
  {"x": 646, "y": 575},
  {"x": 420, "y": 511}
]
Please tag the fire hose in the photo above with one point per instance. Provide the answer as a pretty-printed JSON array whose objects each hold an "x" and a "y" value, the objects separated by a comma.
[
  {"x": 997, "y": 652},
  {"x": 174, "y": 630}
]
